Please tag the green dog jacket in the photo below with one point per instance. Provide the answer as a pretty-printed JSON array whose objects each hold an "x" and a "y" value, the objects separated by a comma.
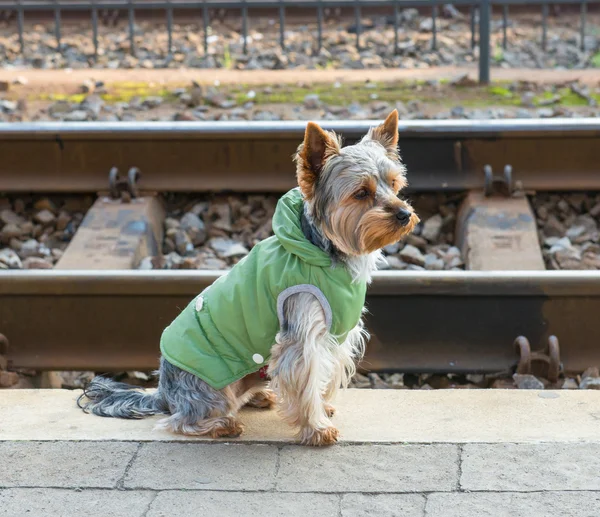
[{"x": 228, "y": 330}]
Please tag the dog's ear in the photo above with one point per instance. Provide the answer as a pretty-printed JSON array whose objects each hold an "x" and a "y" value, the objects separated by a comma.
[
  {"x": 387, "y": 134},
  {"x": 317, "y": 148}
]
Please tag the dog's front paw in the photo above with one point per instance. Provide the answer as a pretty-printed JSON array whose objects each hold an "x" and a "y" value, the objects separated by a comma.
[
  {"x": 329, "y": 410},
  {"x": 320, "y": 437}
]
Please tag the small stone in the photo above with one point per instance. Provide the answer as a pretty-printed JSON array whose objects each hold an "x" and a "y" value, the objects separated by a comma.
[
  {"x": 412, "y": 255},
  {"x": 545, "y": 112},
  {"x": 88, "y": 86},
  {"x": 395, "y": 263},
  {"x": 10, "y": 217},
  {"x": 590, "y": 383},
  {"x": 8, "y": 379},
  {"x": 173, "y": 260},
  {"x": 62, "y": 221},
  {"x": 475, "y": 378},
  {"x": 396, "y": 380},
  {"x": 194, "y": 227},
  {"x": 36, "y": 263},
  {"x": 414, "y": 267},
  {"x": 462, "y": 79},
  {"x": 200, "y": 208},
  {"x": 152, "y": 102},
  {"x": 377, "y": 382},
  {"x": 8, "y": 106},
  {"x": 553, "y": 227},
  {"x": 592, "y": 371},
  {"x": 450, "y": 11},
  {"x": 30, "y": 248},
  {"x": 4, "y": 86},
  {"x": 146, "y": 263},
  {"x": 503, "y": 384},
  {"x": 595, "y": 210},
  {"x": 456, "y": 262},
  {"x": 417, "y": 241},
  {"x": 457, "y": 111},
  {"x": 433, "y": 263},
  {"x": 392, "y": 249},
  {"x": 312, "y": 101},
  {"x": 9, "y": 259},
  {"x": 561, "y": 245},
  {"x": 44, "y": 204},
  {"x": 44, "y": 217},
  {"x": 183, "y": 244},
  {"x": 76, "y": 116},
  {"x": 226, "y": 248},
  {"x": 570, "y": 384},
  {"x": 527, "y": 382},
  {"x": 10, "y": 231},
  {"x": 426, "y": 25},
  {"x": 211, "y": 263},
  {"x": 527, "y": 100},
  {"x": 432, "y": 228}
]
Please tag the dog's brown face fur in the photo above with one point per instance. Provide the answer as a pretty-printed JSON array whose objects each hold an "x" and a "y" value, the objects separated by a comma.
[{"x": 353, "y": 191}]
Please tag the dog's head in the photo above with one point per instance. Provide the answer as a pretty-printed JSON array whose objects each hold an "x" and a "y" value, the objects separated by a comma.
[{"x": 352, "y": 192}]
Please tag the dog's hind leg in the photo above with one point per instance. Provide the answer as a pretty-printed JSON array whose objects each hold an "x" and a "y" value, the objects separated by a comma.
[{"x": 196, "y": 408}]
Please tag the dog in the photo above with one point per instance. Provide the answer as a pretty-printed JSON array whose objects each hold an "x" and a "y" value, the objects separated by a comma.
[{"x": 284, "y": 326}]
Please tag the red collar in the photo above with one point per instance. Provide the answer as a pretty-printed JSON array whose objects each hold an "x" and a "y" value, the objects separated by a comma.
[{"x": 263, "y": 372}]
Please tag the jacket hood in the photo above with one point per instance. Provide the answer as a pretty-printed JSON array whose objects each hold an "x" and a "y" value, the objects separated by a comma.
[{"x": 287, "y": 227}]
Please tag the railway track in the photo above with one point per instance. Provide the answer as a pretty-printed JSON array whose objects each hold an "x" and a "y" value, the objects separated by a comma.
[{"x": 108, "y": 318}]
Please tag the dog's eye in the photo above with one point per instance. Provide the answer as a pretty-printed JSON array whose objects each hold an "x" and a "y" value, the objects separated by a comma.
[{"x": 361, "y": 194}]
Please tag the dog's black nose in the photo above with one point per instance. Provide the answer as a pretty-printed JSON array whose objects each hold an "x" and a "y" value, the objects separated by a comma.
[{"x": 403, "y": 216}]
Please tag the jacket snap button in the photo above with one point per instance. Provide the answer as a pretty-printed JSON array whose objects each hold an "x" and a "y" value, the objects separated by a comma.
[
  {"x": 257, "y": 358},
  {"x": 199, "y": 303}
]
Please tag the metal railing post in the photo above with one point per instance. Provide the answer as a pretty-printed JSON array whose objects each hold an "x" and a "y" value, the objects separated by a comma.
[{"x": 484, "y": 41}]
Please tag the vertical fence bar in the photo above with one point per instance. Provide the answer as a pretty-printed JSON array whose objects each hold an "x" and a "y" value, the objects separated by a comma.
[
  {"x": 357, "y": 18},
  {"x": 473, "y": 12},
  {"x": 131, "y": 28},
  {"x": 544, "y": 26},
  {"x": 434, "y": 27},
  {"x": 57, "y": 25},
  {"x": 504, "y": 26},
  {"x": 205, "y": 26},
  {"x": 20, "y": 25},
  {"x": 245, "y": 27},
  {"x": 282, "y": 26},
  {"x": 484, "y": 41},
  {"x": 169, "y": 30},
  {"x": 319, "y": 27},
  {"x": 95, "y": 30},
  {"x": 582, "y": 25},
  {"x": 396, "y": 15}
]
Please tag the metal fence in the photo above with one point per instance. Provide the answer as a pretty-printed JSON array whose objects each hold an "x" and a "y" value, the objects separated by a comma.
[{"x": 479, "y": 35}]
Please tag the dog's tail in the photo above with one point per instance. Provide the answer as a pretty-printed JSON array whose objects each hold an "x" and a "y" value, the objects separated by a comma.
[{"x": 106, "y": 397}]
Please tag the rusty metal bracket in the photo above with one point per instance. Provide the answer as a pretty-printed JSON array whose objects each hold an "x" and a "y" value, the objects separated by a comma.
[
  {"x": 541, "y": 363},
  {"x": 3, "y": 352},
  {"x": 496, "y": 183},
  {"x": 7, "y": 379},
  {"x": 124, "y": 189}
]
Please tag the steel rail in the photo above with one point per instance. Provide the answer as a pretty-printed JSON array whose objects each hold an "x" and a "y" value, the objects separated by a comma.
[
  {"x": 420, "y": 322},
  {"x": 558, "y": 154}
]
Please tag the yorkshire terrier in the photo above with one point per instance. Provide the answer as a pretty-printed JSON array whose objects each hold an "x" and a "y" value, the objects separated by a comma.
[{"x": 284, "y": 326}]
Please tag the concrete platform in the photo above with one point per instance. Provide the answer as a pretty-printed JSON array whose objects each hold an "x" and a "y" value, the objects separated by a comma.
[
  {"x": 363, "y": 416},
  {"x": 459, "y": 453}
]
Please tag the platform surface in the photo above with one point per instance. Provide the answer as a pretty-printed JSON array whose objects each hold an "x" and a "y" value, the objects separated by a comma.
[{"x": 402, "y": 453}]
